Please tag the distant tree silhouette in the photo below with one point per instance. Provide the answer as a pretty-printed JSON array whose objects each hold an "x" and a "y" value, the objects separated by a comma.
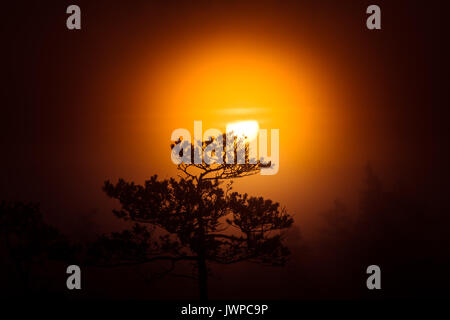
[
  {"x": 393, "y": 229},
  {"x": 28, "y": 240},
  {"x": 194, "y": 218}
]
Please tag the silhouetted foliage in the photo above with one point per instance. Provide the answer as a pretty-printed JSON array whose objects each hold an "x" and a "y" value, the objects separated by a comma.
[
  {"x": 240, "y": 163},
  {"x": 194, "y": 219},
  {"x": 390, "y": 229},
  {"x": 28, "y": 240}
]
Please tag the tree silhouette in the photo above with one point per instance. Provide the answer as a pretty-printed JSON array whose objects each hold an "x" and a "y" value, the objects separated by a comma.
[
  {"x": 390, "y": 228},
  {"x": 195, "y": 218},
  {"x": 28, "y": 240}
]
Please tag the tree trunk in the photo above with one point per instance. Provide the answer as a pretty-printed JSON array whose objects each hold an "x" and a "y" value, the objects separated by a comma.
[{"x": 202, "y": 268}]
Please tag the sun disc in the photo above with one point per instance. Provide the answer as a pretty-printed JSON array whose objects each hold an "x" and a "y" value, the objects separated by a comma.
[{"x": 247, "y": 129}]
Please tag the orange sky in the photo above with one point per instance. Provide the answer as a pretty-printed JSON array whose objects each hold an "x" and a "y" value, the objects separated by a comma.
[
  {"x": 104, "y": 102},
  {"x": 224, "y": 76}
]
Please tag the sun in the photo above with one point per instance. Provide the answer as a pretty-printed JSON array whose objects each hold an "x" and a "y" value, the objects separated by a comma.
[{"x": 247, "y": 129}]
